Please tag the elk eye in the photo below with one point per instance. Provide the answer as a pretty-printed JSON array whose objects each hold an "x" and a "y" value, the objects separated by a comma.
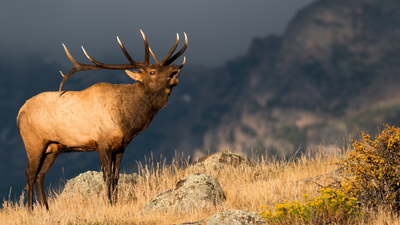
[{"x": 152, "y": 72}]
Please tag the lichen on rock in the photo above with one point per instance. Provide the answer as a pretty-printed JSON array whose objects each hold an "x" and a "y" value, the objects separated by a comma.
[
  {"x": 219, "y": 160},
  {"x": 237, "y": 217},
  {"x": 91, "y": 183},
  {"x": 194, "y": 192}
]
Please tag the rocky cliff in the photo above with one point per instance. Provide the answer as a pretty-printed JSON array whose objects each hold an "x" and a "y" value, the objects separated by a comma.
[{"x": 334, "y": 72}]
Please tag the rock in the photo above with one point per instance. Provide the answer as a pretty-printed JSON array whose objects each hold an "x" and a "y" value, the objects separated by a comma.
[
  {"x": 232, "y": 217},
  {"x": 219, "y": 160},
  {"x": 194, "y": 192},
  {"x": 332, "y": 179},
  {"x": 92, "y": 183},
  {"x": 201, "y": 222},
  {"x": 236, "y": 217}
]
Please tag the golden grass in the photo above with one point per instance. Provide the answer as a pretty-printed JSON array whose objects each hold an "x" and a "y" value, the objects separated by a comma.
[{"x": 270, "y": 182}]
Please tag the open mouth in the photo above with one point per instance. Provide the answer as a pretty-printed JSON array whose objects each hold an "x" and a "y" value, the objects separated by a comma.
[{"x": 174, "y": 75}]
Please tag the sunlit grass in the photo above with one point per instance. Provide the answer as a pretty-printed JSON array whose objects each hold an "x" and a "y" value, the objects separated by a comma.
[{"x": 269, "y": 182}]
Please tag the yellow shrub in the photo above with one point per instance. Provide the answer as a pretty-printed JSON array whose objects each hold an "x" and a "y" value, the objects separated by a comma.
[
  {"x": 373, "y": 174},
  {"x": 332, "y": 206}
]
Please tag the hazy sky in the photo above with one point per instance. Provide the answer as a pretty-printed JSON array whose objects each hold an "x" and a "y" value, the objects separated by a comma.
[{"x": 218, "y": 30}]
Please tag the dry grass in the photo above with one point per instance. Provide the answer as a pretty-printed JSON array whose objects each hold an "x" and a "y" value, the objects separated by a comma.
[{"x": 270, "y": 182}]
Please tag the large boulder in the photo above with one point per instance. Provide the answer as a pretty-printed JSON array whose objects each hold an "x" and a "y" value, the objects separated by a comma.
[
  {"x": 236, "y": 217},
  {"x": 91, "y": 183},
  {"x": 194, "y": 192},
  {"x": 220, "y": 160}
]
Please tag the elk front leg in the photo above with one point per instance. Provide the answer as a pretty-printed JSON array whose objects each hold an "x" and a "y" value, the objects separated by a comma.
[
  {"x": 117, "y": 157},
  {"x": 106, "y": 162}
]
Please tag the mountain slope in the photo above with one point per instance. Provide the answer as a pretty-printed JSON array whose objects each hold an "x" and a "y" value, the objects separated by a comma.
[{"x": 337, "y": 60}]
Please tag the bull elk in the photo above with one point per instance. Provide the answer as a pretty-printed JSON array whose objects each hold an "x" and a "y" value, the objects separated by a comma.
[{"x": 104, "y": 117}]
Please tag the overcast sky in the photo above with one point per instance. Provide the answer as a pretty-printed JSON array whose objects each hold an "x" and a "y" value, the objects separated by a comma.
[{"x": 217, "y": 30}]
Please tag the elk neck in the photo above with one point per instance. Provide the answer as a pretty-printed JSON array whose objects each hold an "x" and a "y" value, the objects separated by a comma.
[{"x": 139, "y": 106}]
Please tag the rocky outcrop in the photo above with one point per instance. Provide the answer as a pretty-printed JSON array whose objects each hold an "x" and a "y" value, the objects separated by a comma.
[
  {"x": 91, "y": 183},
  {"x": 219, "y": 160},
  {"x": 194, "y": 192},
  {"x": 235, "y": 217}
]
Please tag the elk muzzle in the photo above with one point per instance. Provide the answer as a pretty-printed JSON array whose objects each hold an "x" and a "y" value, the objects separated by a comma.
[{"x": 173, "y": 77}]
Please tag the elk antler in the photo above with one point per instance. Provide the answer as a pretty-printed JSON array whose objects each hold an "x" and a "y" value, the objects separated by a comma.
[
  {"x": 178, "y": 54},
  {"x": 167, "y": 60},
  {"x": 132, "y": 64}
]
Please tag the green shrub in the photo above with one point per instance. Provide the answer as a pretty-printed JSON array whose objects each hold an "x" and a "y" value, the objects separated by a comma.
[
  {"x": 332, "y": 206},
  {"x": 373, "y": 174}
]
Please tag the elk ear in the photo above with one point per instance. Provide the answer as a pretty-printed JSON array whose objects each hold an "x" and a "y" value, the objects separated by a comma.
[{"x": 135, "y": 75}]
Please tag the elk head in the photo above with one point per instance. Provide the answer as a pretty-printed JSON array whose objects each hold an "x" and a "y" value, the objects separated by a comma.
[{"x": 154, "y": 76}]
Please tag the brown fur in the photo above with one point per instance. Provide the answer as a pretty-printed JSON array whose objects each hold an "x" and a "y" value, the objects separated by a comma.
[{"x": 104, "y": 118}]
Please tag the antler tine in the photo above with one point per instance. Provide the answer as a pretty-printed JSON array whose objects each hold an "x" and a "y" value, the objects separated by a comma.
[
  {"x": 125, "y": 52},
  {"x": 165, "y": 59},
  {"x": 98, "y": 66},
  {"x": 173, "y": 58},
  {"x": 146, "y": 49},
  {"x": 69, "y": 55},
  {"x": 152, "y": 54},
  {"x": 77, "y": 67},
  {"x": 101, "y": 65},
  {"x": 65, "y": 78},
  {"x": 93, "y": 60},
  {"x": 183, "y": 63}
]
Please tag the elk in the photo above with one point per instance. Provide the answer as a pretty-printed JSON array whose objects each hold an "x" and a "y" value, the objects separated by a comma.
[{"x": 104, "y": 117}]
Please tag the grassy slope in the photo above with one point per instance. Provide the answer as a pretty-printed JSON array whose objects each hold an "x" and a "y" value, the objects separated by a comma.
[{"x": 268, "y": 183}]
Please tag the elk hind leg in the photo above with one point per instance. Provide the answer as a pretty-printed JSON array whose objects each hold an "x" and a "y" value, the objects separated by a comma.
[
  {"x": 31, "y": 173},
  {"x": 49, "y": 158}
]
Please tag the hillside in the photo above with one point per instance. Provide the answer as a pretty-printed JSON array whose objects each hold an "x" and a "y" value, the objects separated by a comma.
[
  {"x": 333, "y": 73},
  {"x": 267, "y": 183}
]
